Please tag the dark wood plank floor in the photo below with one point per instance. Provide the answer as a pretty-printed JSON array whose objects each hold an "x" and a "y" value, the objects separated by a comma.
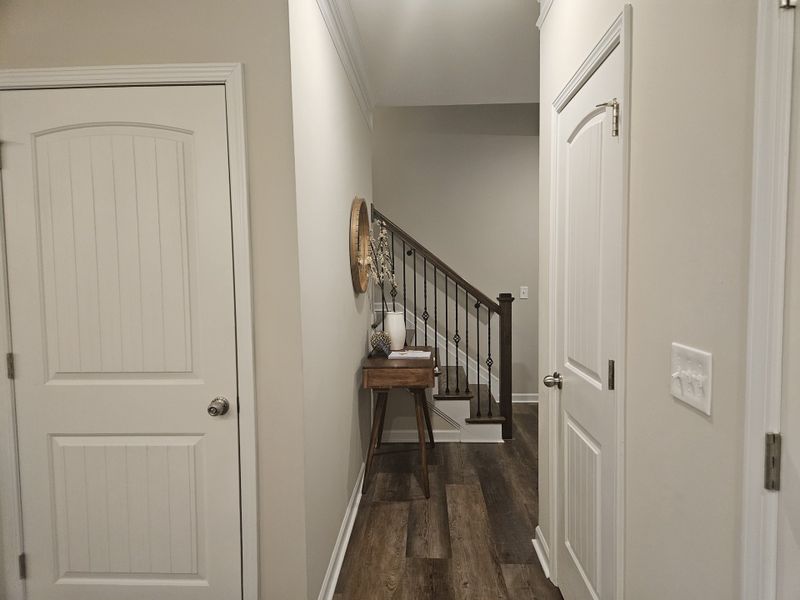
[{"x": 470, "y": 541}]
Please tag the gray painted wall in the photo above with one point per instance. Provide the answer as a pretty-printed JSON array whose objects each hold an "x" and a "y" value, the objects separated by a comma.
[
  {"x": 689, "y": 223},
  {"x": 332, "y": 165},
  {"x": 463, "y": 180}
]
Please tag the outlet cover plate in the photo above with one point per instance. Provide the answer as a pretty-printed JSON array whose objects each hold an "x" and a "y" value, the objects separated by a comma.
[{"x": 691, "y": 377}]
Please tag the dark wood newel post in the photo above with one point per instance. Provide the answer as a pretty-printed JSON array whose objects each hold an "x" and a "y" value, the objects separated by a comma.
[{"x": 505, "y": 301}]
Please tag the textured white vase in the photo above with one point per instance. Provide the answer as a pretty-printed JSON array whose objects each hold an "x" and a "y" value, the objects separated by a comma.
[{"x": 396, "y": 328}]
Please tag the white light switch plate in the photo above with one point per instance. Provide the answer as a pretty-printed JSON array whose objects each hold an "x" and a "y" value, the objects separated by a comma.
[
  {"x": 691, "y": 377},
  {"x": 523, "y": 292}
]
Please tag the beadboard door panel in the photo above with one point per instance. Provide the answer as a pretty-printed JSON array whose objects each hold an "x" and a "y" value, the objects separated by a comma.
[
  {"x": 588, "y": 325},
  {"x": 120, "y": 267}
]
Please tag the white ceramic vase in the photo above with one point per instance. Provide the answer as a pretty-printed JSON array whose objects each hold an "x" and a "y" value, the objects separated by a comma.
[{"x": 396, "y": 328}]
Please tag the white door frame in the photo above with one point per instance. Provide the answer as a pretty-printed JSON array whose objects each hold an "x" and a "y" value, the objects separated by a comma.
[
  {"x": 229, "y": 75},
  {"x": 618, "y": 35},
  {"x": 771, "y": 125}
]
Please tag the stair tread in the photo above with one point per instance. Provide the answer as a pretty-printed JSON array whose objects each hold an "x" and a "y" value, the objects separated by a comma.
[
  {"x": 458, "y": 381},
  {"x": 496, "y": 417}
]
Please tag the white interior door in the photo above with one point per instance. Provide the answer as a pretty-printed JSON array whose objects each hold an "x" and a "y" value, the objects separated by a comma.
[
  {"x": 788, "y": 580},
  {"x": 118, "y": 232},
  {"x": 589, "y": 243}
]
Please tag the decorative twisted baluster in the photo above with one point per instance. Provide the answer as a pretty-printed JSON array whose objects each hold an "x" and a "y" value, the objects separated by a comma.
[
  {"x": 466, "y": 336},
  {"x": 446, "y": 341},
  {"x": 425, "y": 314},
  {"x": 414, "y": 258},
  {"x": 457, "y": 342},
  {"x": 489, "y": 361},
  {"x": 405, "y": 303},
  {"x": 435, "y": 313},
  {"x": 383, "y": 306},
  {"x": 393, "y": 291},
  {"x": 478, "y": 354}
]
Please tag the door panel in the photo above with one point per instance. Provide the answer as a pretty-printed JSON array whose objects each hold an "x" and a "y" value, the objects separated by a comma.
[
  {"x": 118, "y": 228},
  {"x": 113, "y": 218},
  {"x": 589, "y": 296},
  {"x": 583, "y": 251}
]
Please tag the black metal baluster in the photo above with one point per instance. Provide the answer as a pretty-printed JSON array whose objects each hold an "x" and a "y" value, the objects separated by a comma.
[
  {"x": 489, "y": 362},
  {"x": 446, "y": 342},
  {"x": 435, "y": 314},
  {"x": 425, "y": 314},
  {"x": 478, "y": 354},
  {"x": 405, "y": 303},
  {"x": 466, "y": 336},
  {"x": 457, "y": 341},
  {"x": 414, "y": 258},
  {"x": 393, "y": 291},
  {"x": 383, "y": 306}
]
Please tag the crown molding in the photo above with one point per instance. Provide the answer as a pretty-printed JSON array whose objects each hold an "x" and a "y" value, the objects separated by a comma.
[
  {"x": 340, "y": 20},
  {"x": 544, "y": 9}
]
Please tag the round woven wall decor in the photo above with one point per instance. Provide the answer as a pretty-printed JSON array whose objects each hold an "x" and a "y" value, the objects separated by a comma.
[{"x": 359, "y": 245}]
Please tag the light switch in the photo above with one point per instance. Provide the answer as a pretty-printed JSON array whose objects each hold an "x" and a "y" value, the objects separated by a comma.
[
  {"x": 691, "y": 377},
  {"x": 523, "y": 292}
]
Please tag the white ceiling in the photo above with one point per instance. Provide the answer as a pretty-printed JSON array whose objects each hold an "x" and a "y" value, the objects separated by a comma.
[{"x": 444, "y": 52}]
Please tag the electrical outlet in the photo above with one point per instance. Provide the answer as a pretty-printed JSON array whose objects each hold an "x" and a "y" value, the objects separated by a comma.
[
  {"x": 691, "y": 377},
  {"x": 523, "y": 292}
]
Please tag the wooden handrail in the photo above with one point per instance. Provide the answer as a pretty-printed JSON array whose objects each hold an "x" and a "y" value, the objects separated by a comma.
[{"x": 438, "y": 262}]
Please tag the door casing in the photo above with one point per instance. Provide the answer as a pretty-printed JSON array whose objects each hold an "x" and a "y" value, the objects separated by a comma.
[
  {"x": 229, "y": 75},
  {"x": 618, "y": 35},
  {"x": 767, "y": 277}
]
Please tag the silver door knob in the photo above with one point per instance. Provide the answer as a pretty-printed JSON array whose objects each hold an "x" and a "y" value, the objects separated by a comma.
[
  {"x": 218, "y": 407},
  {"x": 554, "y": 380}
]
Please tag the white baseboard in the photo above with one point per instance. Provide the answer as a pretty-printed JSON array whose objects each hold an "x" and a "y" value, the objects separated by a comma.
[
  {"x": 478, "y": 434},
  {"x": 339, "y": 549},
  {"x": 542, "y": 551},
  {"x": 410, "y": 436},
  {"x": 525, "y": 398}
]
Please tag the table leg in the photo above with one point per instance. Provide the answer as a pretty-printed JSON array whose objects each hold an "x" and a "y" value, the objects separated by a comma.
[
  {"x": 419, "y": 400},
  {"x": 383, "y": 418},
  {"x": 427, "y": 411},
  {"x": 380, "y": 411}
]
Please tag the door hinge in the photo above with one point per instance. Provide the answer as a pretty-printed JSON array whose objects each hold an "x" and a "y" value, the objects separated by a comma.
[
  {"x": 611, "y": 375},
  {"x": 614, "y": 106},
  {"x": 23, "y": 567},
  {"x": 10, "y": 365},
  {"x": 787, "y": 3},
  {"x": 772, "y": 462}
]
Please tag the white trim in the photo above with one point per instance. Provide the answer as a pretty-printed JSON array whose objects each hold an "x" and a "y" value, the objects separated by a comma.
[
  {"x": 542, "y": 550},
  {"x": 411, "y": 436},
  {"x": 771, "y": 144},
  {"x": 340, "y": 547},
  {"x": 544, "y": 10},
  {"x": 607, "y": 44},
  {"x": 432, "y": 404},
  {"x": 525, "y": 398},
  {"x": 61, "y": 77},
  {"x": 619, "y": 34},
  {"x": 342, "y": 26},
  {"x": 11, "y": 586},
  {"x": 229, "y": 75},
  {"x": 459, "y": 432}
]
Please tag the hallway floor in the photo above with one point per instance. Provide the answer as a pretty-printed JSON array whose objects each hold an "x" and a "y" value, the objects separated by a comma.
[{"x": 471, "y": 540}]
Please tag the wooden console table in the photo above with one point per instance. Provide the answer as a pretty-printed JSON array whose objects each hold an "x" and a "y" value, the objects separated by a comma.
[{"x": 382, "y": 375}]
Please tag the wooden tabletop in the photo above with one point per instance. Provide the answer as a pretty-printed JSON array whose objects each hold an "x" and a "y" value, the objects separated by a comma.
[{"x": 380, "y": 362}]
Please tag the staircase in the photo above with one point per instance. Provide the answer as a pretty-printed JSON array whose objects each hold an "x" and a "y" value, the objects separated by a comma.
[{"x": 470, "y": 331}]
